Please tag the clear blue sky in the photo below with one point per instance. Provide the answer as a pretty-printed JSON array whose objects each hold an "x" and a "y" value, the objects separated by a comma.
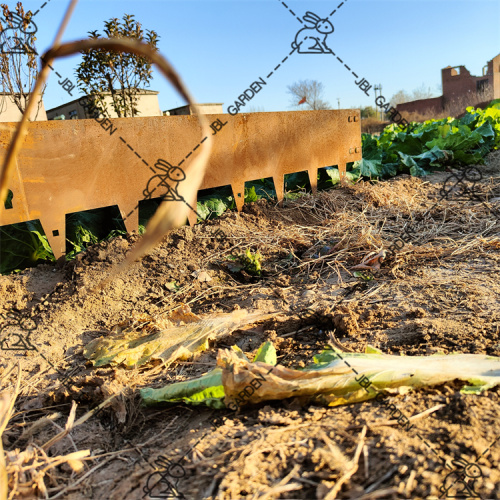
[{"x": 221, "y": 46}]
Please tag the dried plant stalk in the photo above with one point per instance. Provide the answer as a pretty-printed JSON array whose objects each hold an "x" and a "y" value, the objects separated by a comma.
[
  {"x": 6, "y": 407},
  {"x": 168, "y": 216}
]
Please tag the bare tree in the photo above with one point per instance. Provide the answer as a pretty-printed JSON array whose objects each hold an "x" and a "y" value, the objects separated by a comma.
[
  {"x": 308, "y": 94},
  {"x": 421, "y": 92},
  {"x": 400, "y": 97},
  {"x": 255, "y": 109},
  {"x": 18, "y": 65}
]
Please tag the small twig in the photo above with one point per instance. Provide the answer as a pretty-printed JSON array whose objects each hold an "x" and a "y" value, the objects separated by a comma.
[
  {"x": 377, "y": 483},
  {"x": 62, "y": 430},
  {"x": 87, "y": 415},
  {"x": 333, "y": 340},
  {"x": 296, "y": 331},
  {"x": 71, "y": 486},
  {"x": 282, "y": 486},
  {"x": 332, "y": 494},
  {"x": 194, "y": 363},
  {"x": 378, "y": 494},
  {"x": 409, "y": 484},
  {"x": 395, "y": 422},
  {"x": 6, "y": 407},
  {"x": 367, "y": 463},
  {"x": 65, "y": 431},
  {"x": 307, "y": 481}
]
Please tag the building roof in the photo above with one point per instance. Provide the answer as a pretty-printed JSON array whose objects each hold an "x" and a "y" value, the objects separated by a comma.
[
  {"x": 199, "y": 104},
  {"x": 140, "y": 92}
]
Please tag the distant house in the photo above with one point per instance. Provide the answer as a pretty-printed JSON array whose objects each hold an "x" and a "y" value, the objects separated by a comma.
[
  {"x": 205, "y": 108},
  {"x": 9, "y": 112},
  {"x": 147, "y": 104},
  {"x": 461, "y": 87}
]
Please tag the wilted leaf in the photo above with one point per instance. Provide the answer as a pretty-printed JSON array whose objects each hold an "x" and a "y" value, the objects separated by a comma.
[
  {"x": 331, "y": 379},
  {"x": 134, "y": 348}
]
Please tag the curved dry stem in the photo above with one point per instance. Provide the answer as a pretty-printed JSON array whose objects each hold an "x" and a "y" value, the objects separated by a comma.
[{"x": 168, "y": 216}]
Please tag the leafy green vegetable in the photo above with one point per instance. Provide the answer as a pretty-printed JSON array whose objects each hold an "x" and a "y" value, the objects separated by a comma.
[
  {"x": 208, "y": 389},
  {"x": 365, "y": 276},
  {"x": 83, "y": 238},
  {"x": 248, "y": 261},
  {"x": 333, "y": 378},
  {"x": 432, "y": 145},
  {"x": 8, "y": 200},
  {"x": 334, "y": 174},
  {"x": 23, "y": 245},
  {"x": 266, "y": 354}
]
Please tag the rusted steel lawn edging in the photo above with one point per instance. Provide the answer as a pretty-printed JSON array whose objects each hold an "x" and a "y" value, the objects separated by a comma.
[{"x": 76, "y": 165}]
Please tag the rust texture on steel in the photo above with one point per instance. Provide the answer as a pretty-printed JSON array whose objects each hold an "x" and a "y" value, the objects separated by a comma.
[{"x": 72, "y": 166}]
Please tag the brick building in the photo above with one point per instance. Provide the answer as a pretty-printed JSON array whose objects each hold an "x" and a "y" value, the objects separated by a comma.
[{"x": 460, "y": 89}]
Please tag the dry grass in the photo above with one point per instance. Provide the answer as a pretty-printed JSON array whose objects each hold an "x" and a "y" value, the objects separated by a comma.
[
  {"x": 454, "y": 108},
  {"x": 23, "y": 473},
  {"x": 373, "y": 125},
  {"x": 366, "y": 218},
  {"x": 32, "y": 473}
]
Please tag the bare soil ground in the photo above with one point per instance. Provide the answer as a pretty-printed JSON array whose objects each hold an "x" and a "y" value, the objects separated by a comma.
[{"x": 440, "y": 293}]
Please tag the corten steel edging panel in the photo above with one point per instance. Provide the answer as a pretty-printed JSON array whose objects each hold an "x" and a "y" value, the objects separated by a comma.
[{"x": 75, "y": 165}]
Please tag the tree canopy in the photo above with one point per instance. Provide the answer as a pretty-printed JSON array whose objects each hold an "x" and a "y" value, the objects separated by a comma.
[
  {"x": 421, "y": 92},
  {"x": 120, "y": 74},
  {"x": 368, "y": 112}
]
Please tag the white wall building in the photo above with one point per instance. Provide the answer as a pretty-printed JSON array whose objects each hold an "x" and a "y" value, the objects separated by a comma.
[
  {"x": 9, "y": 112},
  {"x": 147, "y": 104}
]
